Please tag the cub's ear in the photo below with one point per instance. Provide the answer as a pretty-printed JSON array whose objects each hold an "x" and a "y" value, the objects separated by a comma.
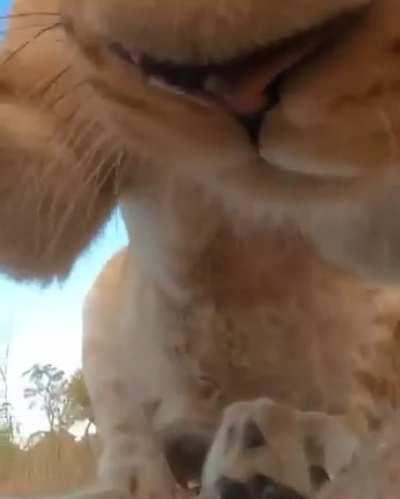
[{"x": 57, "y": 188}]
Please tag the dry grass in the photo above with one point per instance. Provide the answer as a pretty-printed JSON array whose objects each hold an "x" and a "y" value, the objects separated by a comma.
[{"x": 56, "y": 464}]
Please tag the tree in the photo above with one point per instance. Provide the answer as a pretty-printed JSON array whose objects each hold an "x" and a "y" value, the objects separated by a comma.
[
  {"x": 47, "y": 389},
  {"x": 78, "y": 401},
  {"x": 8, "y": 426},
  {"x": 64, "y": 401}
]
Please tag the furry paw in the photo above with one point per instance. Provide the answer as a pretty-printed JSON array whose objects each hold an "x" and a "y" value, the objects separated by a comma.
[{"x": 264, "y": 450}]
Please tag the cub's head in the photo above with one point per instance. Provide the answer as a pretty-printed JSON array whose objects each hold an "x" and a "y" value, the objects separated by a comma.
[
  {"x": 307, "y": 84},
  {"x": 198, "y": 87}
]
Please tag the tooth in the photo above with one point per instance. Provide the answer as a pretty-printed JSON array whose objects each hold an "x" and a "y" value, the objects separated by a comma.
[
  {"x": 160, "y": 83},
  {"x": 135, "y": 56}
]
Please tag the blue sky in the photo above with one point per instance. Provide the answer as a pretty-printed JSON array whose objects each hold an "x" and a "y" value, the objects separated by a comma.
[
  {"x": 4, "y": 6},
  {"x": 44, "y": 325}
]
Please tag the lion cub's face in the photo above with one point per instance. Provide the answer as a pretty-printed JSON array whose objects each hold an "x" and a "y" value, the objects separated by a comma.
[{"x": 211, "y": 82}]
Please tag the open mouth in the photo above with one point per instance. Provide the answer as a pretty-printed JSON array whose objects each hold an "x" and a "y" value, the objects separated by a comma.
[
  {"x": 248, "y": 85},
  {"x": 257, "y": 487}
]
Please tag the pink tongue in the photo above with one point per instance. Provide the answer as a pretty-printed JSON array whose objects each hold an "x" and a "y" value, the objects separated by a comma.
[{"x": 247, "y": 92}]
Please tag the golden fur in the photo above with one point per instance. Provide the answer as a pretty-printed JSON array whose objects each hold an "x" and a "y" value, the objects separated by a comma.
[
  {"x": 224, "y": 286},
  {"x": 337, "y": 116},
  {"x": 297, "y": 439}
]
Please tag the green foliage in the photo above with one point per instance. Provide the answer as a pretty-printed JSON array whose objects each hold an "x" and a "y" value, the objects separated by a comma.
[
  {"x": 47, "y": 391},
  {"x": 79, "y": 405},
  {"x": 6, "y": 434},
  {"x": 64, "y": 401},
  {"x": 9, "y": 428}
]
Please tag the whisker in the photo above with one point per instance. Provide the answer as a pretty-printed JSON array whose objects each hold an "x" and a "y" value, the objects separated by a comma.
[
  {"x": 67, "y": 93},
  {"x": 390, "y": 131},
  {"x": 13, "y": 16},
  {"x": 100, "y": 156},
  {"x": 53, "y": 81},
  {"x": 12, "y": 29},
  {"x": 37, "y": 35}
]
